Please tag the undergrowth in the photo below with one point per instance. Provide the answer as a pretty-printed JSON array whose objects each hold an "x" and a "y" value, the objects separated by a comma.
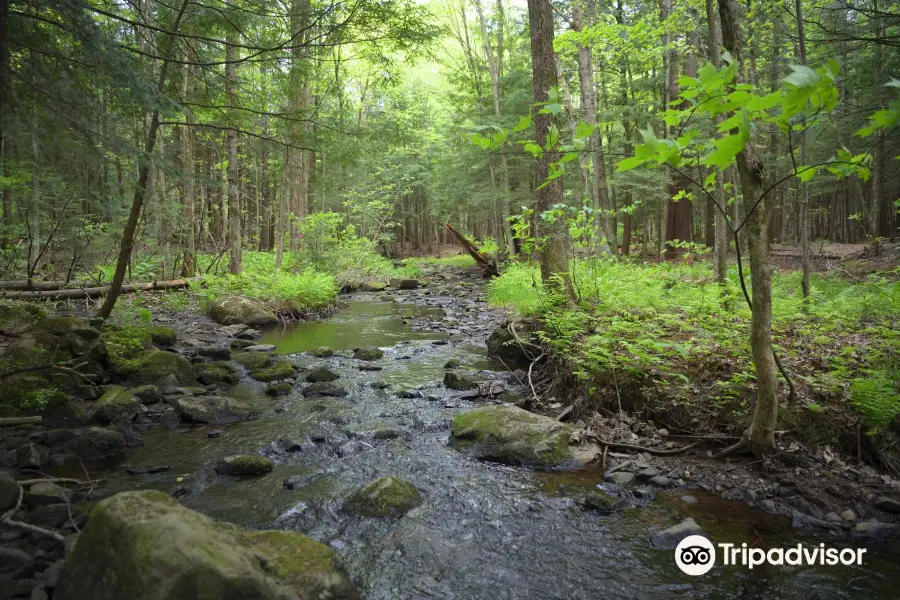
[{"x": 668, "y": 334}]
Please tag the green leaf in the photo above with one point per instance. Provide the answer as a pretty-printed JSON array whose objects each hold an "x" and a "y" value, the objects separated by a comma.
[
  {"x": 629, "y": 163},
  {"x": 802, "y": 77},
  {"x": 583, "y": 130},
  {"x": 524, "y": 123},
  {"x": 804, "y": 173}
]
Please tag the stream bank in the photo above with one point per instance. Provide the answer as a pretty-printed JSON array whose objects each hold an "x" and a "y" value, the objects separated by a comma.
[{"x": 482, "y": 530}]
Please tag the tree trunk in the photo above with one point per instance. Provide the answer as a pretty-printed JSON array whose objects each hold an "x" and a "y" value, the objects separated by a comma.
[
  {"x": 720, "y": 241},
  {"x": 804, "y": 186},
  {"x": 234, "y": 200},
  {"x": 597, "y": 188},
  {"x": 554, "y": 262},
  {"x": 760, "y": 436},
  {"x": 189, "y": 263}
]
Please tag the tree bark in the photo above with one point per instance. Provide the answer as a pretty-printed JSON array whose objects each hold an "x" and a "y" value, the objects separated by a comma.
[
  {"x": 760, "y": 436},
  {"x": 720, "y": 242},
  {"x": 804, "y": 186},
  {"x": 597, "y": 188},
  {"x": 554, "y": 261},
  {"x": 234, "y": 200}
]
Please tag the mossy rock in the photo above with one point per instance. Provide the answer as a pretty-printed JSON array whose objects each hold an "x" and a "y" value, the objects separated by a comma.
[
  {"x": 321, "y": 374},
  {"x": 385, "y": 497},
  {"x": 512, "y": 435},
  {"x": 96, "y": 443},
  {"x": 279, "y": 389},
  {"x": 147, "y": 394},
  {"x": 599, "y": 501},
  {"x": 458, "y": 381},
  {"x": 254, "y": 360},
  {"x": 324, "y": 388},
  {"x": 213, "y": 410},
  {"x": 373, "y": 286},
  {"x": 368, "y": 353},
  {"x": 161, "y": 368},
  {"x": 249, "y": 464},
  {"x": 115, "y": 404},
  {"x": 452, "y": 364},
  {"x": 16, "y": 319},
  {"x": 161, "y": 336},
  {"x": 323, "y": 352},
  {"x": 279, "y": 369},
  {"x": 238, "y": 310},
  {"x": 216, "y": 372},
  {"x": 145, "y": 546}
]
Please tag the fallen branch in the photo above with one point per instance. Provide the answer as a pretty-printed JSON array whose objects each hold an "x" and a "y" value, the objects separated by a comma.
[
  {"x": 96, "y": 292},
  {"x": 8, "y": 520},
  {"x": 652, "y": 451},
  {"x": 21, "y": 420},
  {"x": 487, "y": 263},
  {"x": 18, "y": 371}
]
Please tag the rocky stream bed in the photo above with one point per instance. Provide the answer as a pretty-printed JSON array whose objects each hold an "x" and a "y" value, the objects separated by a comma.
[{"x": 387, "y": 437}]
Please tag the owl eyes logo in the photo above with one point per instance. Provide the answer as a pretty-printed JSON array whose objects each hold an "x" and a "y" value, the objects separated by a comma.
[{"x": 695, "y": 555}]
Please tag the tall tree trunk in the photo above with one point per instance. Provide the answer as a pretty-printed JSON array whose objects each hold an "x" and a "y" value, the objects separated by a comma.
[
  {"x": 720, "y": 242},
  {"x": 234, "y": 200},
  {"x": 34, "y": 205},
  {"x": 804, "y": 186},
  {"x": 554, "y": 261},
  {"x": 760, "y": 436},
  {"x": 679, "y": 211},
  {"x": 6, "y": 156},
  {"x": 188, "y": 199},
  {"x": 265, "y": 233},
  {"x": 597, "y": 189}
]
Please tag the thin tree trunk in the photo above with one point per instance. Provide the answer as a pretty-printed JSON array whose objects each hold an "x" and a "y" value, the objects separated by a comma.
[
  {"x": 760, "y": 436},
  {"x": 804, "y": 186},
  {"x": 234, "y": 200},
  {"x": 720, "y": 241},
  {"x": 137, "y": 204}
]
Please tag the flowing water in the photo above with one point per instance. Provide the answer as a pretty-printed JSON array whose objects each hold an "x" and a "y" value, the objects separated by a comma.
[{"x": 484, "y": 530}]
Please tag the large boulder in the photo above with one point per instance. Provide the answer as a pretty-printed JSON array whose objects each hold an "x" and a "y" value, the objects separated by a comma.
[
  {"x": 145, "y": 546},
  {"x": 385, "y": 497},
  {"x": 512, "y": 435},
  {"x": 96, "y": 443},
  {"x": 238, "y": 310},
  {"x": 504, "y": 345},
  {"x": 162, "y": 369},
  {"x": 216, "y": 372},
  {"x": 115, "y": 404},
  {"x": 212, "y": 410},
  {"x": 458, "y": 381}
]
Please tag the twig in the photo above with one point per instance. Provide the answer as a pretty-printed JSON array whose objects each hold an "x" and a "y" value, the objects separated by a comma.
[
  {"x": 73, "y": 372},
  {"x": 530, "y": 382},
  {"x": 8, "y": 520}
]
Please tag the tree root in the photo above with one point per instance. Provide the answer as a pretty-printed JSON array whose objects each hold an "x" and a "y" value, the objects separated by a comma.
[
  {"x": 651, "y": 451},
  {"x": 742, "y": 446}
]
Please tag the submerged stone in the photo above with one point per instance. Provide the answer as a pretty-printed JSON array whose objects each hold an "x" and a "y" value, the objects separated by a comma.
[
  {"x": 216, "y": 372},
  {"x": 511, "y": 435},
  {"x": 324, "y": 388},
  {"x": 385, "y": 497},
  {"x": 145, "y": 546},
  {"x": 250, "y": 464}
]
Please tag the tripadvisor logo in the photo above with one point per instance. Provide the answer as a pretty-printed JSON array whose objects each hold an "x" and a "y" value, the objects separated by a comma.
[{"x": 696, "y": 555}]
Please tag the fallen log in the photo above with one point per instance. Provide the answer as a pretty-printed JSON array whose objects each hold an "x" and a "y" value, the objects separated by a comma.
[
  {"x": 31, "y": 285},
  {"x": 21, "y": 420},
  {"x": 487, "y": 263},
  {"x": 97, "y": 291}
]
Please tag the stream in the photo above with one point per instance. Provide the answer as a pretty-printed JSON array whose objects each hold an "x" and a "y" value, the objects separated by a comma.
[{"x": 484, "y": 530}]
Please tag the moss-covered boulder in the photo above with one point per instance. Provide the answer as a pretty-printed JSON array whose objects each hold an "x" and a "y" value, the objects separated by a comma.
[
  {"x": 145, "y": 546},
  {"x": 385, "y": 497},
  {"x": 282, "y": 388},
  {"x": 147, "y": 394},
  {"x": 452, "y": 364},
  {"x": 504, "y": 345},
  {"x": 216, "y": 372},
  {"x": 373, "y": 286},
  {"x": 116, "y": 404},
  {"x": 245, "y": 464},
  {"x": 324, "y": 388},
  {"x": 238, "y": 310},
  {"x": 322, "y": 352},
  {"x": 213, "y": 410},
  {"x": 321, "y": 374},
  {"x": 368, "y": 353},
  {"x": 160, "y": 368},
  {"x": 265, "y": 367},
  {"x": 458, "y": 381},
  {"x": 512, "y": 435}
]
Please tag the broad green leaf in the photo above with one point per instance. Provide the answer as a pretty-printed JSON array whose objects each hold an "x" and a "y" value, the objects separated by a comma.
[
  {"x": 524, "y": 123},
  {"x": 805, "y": 173},
  {"x": 629, "y": 163}
]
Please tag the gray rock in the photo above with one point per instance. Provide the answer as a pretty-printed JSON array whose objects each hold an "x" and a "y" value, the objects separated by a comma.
[
  {"x": 458, "y": 381},
  {"x": 249, "y": 464},
  {"x": 9, "y": 492},
  {"x": 38, "y": 592},
  {"x": 848, "y": 516},
  {"x": 233, "y": 330},
  {"x": 648, "y": 474},
  {"x": 667, "y": 539},
  {"x": 620, "y": 478},
  {"x": 324, "y": 388},
  {"x": 147, "y": 394},
  {"x": 599, "y": 501},
  {"x": 12, "y": 559},
  {"x": 661, "y": 481},
  {"x": 833, "y": 518},
  {"x": 875, "y": 531},
  {"x": 295, "y": 482},
  {"x": 502, "y": 344},
  {"x": 49, "y": 515},
  {"x": 32, "y": 456},
  {"x": 213, "y": 410},
  {"x": 215, "y": 352},
  {"x": 44, "y": 493},
  {"x": 644, "y": 493},
  {"x": 97, "y": 443},
  {"x": 368, "y": 353},
  {"x": 689, "y": 499},
  {"x": 234, "y": 310},
  {"x": 260, "y": 348},
  {"x": 51, "y": 575},
  {"x": 887, "y": 504},
  {"x": 114, "y": 405},
  {"x": 768, "y": 506},
  {"x": 322, "y": 352},
  {"x": 385, "y": 497}
]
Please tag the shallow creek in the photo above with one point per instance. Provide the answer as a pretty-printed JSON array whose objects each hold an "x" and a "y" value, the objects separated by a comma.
[{"x": 484, "y": 530}]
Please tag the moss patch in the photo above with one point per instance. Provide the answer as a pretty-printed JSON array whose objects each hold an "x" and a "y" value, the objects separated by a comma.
[
  {"x": 216, "y": 372},
  {"x": 385, "y": 497}
]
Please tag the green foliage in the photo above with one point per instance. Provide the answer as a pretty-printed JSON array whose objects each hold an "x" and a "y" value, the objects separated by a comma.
[{"x": 877, "y": 398}]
